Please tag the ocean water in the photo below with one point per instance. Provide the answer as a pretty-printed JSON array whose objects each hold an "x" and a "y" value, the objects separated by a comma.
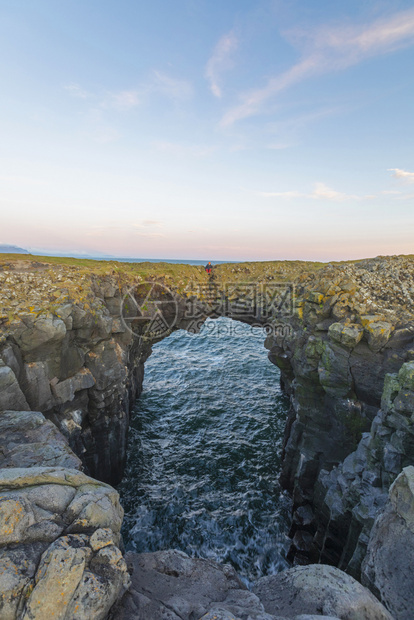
[{"x": 204, "y": 452}]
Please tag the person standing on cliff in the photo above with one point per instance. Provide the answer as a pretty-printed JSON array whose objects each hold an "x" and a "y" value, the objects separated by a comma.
[{"x": 208, "y": 268}]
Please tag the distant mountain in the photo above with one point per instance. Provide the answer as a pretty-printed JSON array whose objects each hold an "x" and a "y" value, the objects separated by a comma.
[
  {"x": 93, "y": 256},
  {"x": 11, "y": 249}
]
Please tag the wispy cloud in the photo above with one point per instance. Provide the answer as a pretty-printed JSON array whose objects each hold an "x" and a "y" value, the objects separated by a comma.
[
  {"x": 221, "y": 60},
  {"x": 173, "y": 88},
  {"x": 75, "y": 90},
  {"x": 290, "y": 194},
  {"x": 326, "y": 193},
  {"x": 278, "y": 146},
  {"x": 152, "y": 223},
  {"x": 320, "y": 192},
  {"x": 122, "y": 100},
  {"x": 288, "y": 130},
  {"x": 403, "y": 175},
  {"x": 151, "y": 235},
  {"x": 329, "y": 49},
  {"x": 116, "y": 100},
  {"x": 177, "y": 149},
  {"x": 128, "y": 228},
  {"x": 405, "y": 197}
]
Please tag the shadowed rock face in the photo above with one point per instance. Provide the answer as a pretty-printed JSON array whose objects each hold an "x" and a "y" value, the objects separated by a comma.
[
  {"x": 349, "y": 497},
  {"x": 388, "y": 566},
  {"x": 65, "y": 351}
]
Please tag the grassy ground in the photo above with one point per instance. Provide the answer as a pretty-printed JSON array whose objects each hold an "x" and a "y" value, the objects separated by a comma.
[
  {"x": 31, "y": 285},
  {"x": 237, "y": 271}
]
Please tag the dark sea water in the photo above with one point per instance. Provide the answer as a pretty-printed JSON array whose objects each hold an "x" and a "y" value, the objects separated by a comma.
[
  {"x": 204, "y": 452},
  {"x": 176, "y": 261}
]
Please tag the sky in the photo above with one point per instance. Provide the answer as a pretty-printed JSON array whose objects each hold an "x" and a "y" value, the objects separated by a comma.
[{"x": 203, "y": 129}]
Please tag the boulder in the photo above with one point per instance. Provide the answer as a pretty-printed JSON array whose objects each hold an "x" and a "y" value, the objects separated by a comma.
[
  {"x": 42, "y": 503},
  {"x": 406, "y": 376},
  {"x": 318, "y": 589},
  {"x": 169, "y": 585},
  {"x": 59, "y": 536},
  {"x": 75, "y": 581},
  {"x": 378, "y": 333},
  {"x": 18, "y": 565},
  {"x": 12, "y": 357}
]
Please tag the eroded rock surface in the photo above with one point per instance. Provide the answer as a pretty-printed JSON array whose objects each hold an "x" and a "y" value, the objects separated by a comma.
[
  {"x": 388, "y": 568},
  {"x": 66, "y": 351},
  {"x": 318, "y": 589},
  {"x": 78, "y": 579},
  {"x": 168, "y": 585},
  {"x": 59, "y": 530},
  {"x": 27, "y": 439}
]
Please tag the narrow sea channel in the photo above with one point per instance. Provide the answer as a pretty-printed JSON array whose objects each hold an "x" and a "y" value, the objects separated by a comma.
[{"x": 204, "y": 452}]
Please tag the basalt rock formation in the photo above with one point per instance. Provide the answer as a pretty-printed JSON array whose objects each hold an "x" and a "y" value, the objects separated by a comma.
[
  {"x": 66, "y": 351},
  {"x": 348, "y": 365},
  {"x": 74, "y": 337}
]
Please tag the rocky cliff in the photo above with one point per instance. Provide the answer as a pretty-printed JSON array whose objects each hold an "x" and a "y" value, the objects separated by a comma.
[
  {"x": 74, "y": 337},
  {"x": 66, "y": 351},
  {"x": 347, "y": 364}
]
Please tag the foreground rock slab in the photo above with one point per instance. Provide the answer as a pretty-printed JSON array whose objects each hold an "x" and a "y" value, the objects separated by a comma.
[
  {"x": 168, "y": 585},
  {"x": 318, "y": 589}
]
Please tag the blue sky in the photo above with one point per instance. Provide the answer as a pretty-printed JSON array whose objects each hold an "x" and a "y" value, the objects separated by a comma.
[{"x": 203, "y": 129}]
